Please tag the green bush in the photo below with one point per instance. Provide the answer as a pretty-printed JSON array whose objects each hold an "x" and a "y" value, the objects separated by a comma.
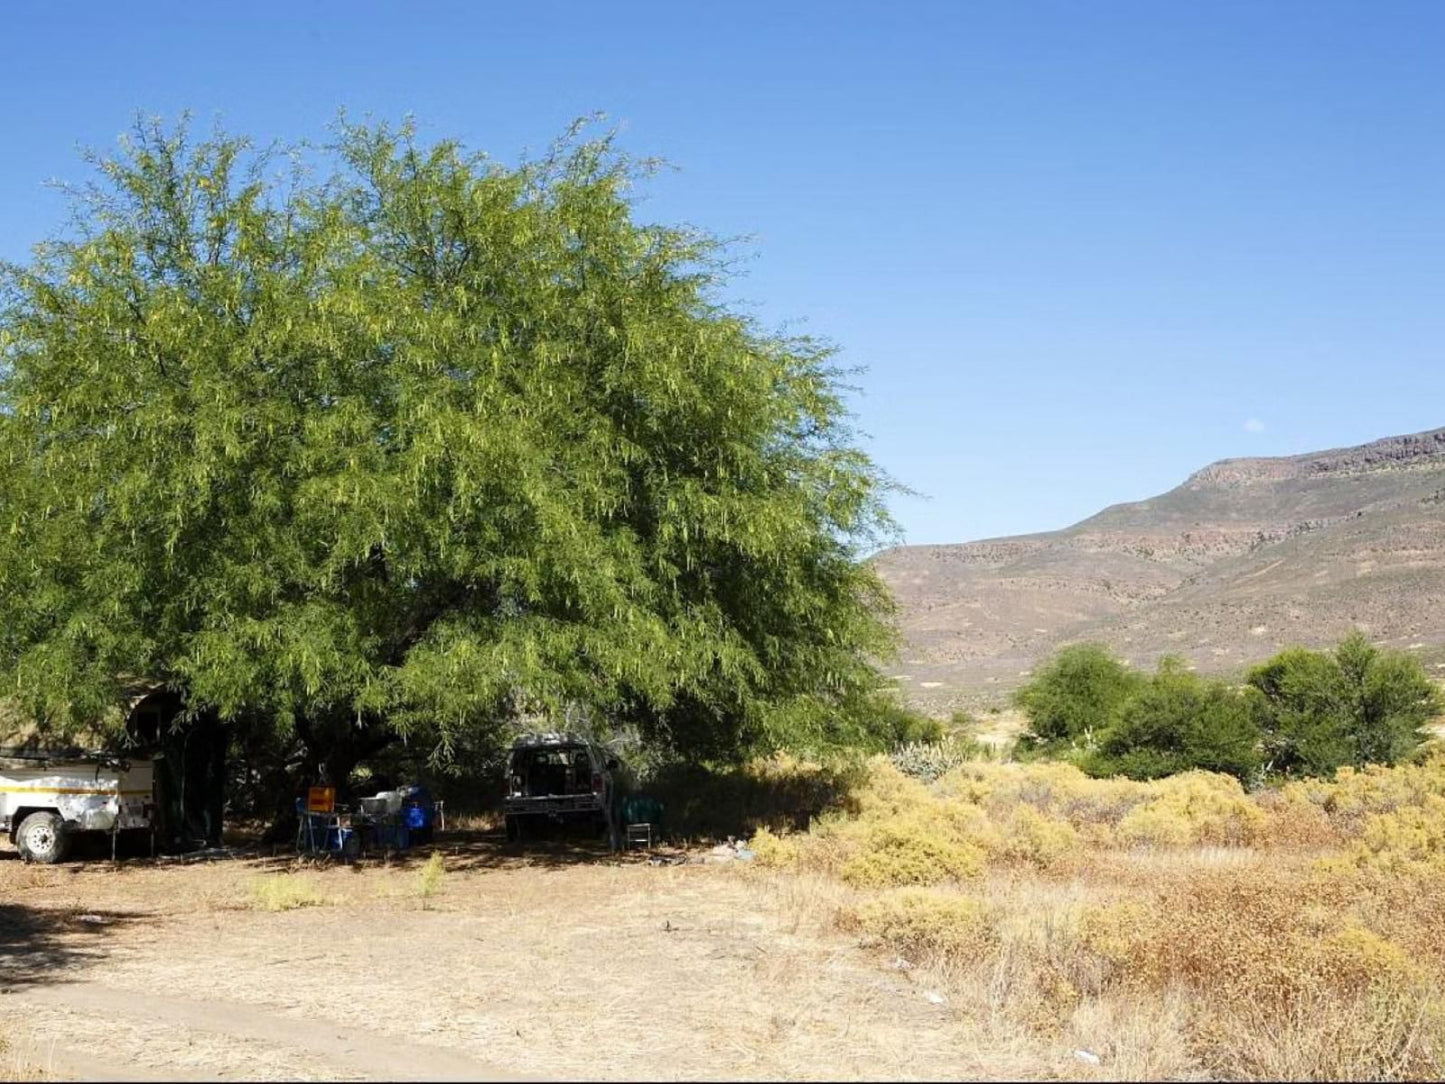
[
  {"x": 962, "y": 722},
  {"x": 896, "y": 724},
  {"x": 1301, "y": 713},
  {"x": 1358, "y": 705},
  {"x": 1072, "y": 698},
  {"x": 1177, "y": 722}
]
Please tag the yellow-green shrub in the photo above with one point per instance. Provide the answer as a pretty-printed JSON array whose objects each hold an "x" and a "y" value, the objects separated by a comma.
[
  {"x": 1194, "y": 808},
  {"x": 911, "y": 851},
  {"x": 1292, "y": 820},
  {"x": 1354, "y": 794},
  {"x": 1029, "y": 836},
  {"x": 774, "y": 851},
  {"x": 1410, "y": 838},
  {"x": 1354, "y": 957},
  {"x": 920, "y": 921},
  {"x": 429, "y": 878},
  {"x": 1058, "y": 790},
  {"x": 285, "y": 892},
  {"x": 887, "y": 792}
]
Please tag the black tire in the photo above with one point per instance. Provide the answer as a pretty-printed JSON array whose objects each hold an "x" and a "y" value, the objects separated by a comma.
[{"x": 42, "y": 838}]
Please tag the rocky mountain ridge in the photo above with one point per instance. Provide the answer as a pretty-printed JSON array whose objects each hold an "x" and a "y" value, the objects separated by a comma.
[{"x": 1244, "y": 557}]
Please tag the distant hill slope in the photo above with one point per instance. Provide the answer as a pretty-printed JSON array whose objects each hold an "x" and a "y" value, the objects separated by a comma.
[{"x": 1247, "y": 556}]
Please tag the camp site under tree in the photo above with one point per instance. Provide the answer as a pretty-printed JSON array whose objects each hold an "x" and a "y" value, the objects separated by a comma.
[
  {"x": 388, "y": 441},
  {"x": 459, "y": 621}
]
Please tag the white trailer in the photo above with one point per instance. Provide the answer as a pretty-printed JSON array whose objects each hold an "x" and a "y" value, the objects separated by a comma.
[{"x": 46, "y": 799}]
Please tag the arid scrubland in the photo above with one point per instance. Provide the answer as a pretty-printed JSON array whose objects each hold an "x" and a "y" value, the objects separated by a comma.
[{"x": 1181, "y": 927}]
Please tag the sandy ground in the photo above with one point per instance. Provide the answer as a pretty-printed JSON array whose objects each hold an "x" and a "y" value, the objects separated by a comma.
[{"x": 564, "y": 963}]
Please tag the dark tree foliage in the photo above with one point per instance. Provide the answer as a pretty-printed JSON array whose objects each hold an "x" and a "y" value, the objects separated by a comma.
[
  {"x": 419, "y": 447},
  {"x": 1177, "y": 721},
  {"x": 1354, "y": 706},
  {"x": 1072, "y": 698}
]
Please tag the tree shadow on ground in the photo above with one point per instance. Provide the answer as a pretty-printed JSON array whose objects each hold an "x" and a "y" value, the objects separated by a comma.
[
  {"x": 47, "y": 945},
  {"x": 467, "y": 850},
  {"x": 462, "y": 849}
]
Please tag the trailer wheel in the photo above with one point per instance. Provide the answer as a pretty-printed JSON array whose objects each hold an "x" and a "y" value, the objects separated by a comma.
[{"x": 42, "y": 838}]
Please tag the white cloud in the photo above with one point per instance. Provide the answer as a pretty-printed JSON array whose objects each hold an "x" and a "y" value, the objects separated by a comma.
[{"x": 1254, "y": 425}]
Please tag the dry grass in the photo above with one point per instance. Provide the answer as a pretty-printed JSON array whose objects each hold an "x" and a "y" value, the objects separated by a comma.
[
  {"x": 1171, "y": 929},
  {"x": 286, "y": 892},
  {"x": 1004, "y": 921},
  {"x": 543, "y": 964},
  {"x": 17, "y": 1063}
]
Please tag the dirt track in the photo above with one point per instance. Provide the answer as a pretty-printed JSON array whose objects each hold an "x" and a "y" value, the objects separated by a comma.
[{"x": 558, "y": 965}]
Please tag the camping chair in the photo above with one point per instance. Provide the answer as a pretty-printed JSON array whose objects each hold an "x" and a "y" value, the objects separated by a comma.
[
  {"x": 317, "y": 833},
  {"x": 639, "y": 834}
]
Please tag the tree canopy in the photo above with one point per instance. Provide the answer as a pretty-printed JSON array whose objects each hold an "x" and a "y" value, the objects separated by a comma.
[
  {"x": 1177, "y": 721},
  {"x": 1073, "y": 697},
  {"x": 389, "y": 438},
  {"x": 1356, "y": 705}
]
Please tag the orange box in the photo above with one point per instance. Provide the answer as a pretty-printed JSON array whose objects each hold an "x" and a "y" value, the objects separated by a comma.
[{"x": 320, "y": 799}]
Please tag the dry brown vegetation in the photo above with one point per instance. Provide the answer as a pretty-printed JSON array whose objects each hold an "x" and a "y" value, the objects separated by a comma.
[
  {"x": 18, "y": 1062},
  {"x": 1179, "y": 928},
  {"x": 555, "y": 962},
  {"x": 1003, "y": 921}
]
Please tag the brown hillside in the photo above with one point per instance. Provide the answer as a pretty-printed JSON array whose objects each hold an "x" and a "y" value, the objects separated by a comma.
[{"x": 1246, "y": 556}]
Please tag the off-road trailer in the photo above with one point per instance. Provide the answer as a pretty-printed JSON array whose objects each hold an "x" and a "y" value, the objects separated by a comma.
[{"x": 48, "y": 797}]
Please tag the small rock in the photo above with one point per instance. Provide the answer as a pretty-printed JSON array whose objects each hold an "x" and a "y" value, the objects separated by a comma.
[
  {"x": 900, "y": 964},
  {"x": 1087, "y": 1056},
  {"x": 935, "y": 998},
  {"x": 91, "y": 920}
]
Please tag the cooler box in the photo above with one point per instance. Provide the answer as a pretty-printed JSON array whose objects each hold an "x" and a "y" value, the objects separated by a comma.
[{"x": 416, "y": 808}]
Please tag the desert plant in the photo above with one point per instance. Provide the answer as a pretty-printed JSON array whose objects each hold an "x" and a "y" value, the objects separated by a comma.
[
  {"x": 1174, "y": 722},
  {"x": 286, "y": 892},
  {"x": 920, "y": 851},
  {"x": 930, "y": 760},
  {"x": 773, "y": 851},
  {"x": 1194, "y": 808},
  {"x": 923, "y": 922},
  {"x": 1075, "y": 695},
  {"x": 1354, "y": 706},
  {"x": 1029, "y": 836},
  {"x": 429, "y": 878}
]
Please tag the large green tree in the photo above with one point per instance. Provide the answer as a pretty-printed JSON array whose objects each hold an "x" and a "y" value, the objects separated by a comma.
[
  {"x": 389, "y": 439},
  {"x": 1175, "y": 722},
  {"x": 1071, "y": 699},
  {"x": 1356, "y": 705}
]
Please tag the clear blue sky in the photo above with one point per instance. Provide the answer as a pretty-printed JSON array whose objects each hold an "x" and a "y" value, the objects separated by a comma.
[{"x": 1082, "y": 248}]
